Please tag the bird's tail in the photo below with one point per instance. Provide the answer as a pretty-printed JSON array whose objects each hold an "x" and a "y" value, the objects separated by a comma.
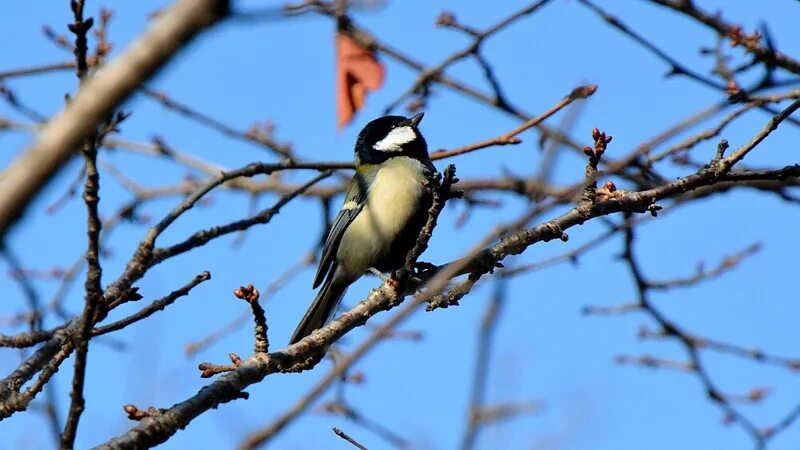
[{"x": 322, "y": 308}]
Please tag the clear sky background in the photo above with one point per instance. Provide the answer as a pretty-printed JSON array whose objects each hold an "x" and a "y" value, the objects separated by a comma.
[{"x": 282, "y": 71}]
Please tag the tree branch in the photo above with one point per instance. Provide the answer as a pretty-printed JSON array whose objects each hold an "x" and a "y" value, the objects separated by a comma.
[{"x": 101, "y": 94}]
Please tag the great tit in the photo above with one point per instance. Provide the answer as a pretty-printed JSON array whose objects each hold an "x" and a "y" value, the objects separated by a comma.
[{"x": 385, "y": 207}]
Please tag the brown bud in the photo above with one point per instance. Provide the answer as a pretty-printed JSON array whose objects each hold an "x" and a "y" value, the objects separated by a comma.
[
  {"x": 357, "y": 378},
  {"x": 415, "y": 104},
  {"x": 235, "y": 359},
  {"x": 445, "y": 19},
  {"x": 583, "y": 91},
  {"x": 732, "y": 88},
  {"x": 104, "y": 48},
  {"x": 132, "y": 295},
  {"x": 728, "y": 419},
  {"x": 135, "y": 413},
  {"x": 647, "y": 360},
  {"x": 254, "y": 295},
  {"x": 106, "y": 14},
  {"x": 610, "y": 186},
  {"x": 757, "y": 394},
  {"x": 595, "y": 134},
  {"x": 654, "y": 209},
  {"x": 588, "y": 151}
]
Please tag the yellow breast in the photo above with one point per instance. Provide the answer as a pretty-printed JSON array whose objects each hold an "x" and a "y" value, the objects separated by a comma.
[{"x": 392, "y": 199}]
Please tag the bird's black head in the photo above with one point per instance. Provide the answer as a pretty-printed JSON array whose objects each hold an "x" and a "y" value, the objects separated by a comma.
[{"x": 390, "y": 136}]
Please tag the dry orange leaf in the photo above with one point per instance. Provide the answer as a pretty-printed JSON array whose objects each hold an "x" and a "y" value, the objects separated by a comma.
[{"x": 358, "y": 71}]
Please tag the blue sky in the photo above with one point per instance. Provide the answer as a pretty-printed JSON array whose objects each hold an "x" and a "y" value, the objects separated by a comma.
[{"x": 282, "y": 71}]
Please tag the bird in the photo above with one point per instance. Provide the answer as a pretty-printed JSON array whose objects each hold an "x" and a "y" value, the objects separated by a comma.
[{"x": 385, "y": 208}]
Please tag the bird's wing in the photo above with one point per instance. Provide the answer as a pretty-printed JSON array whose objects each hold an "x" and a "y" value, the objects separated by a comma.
[
  {"x": 354, "y": 201},
  {"x": 428, "y": 165}
]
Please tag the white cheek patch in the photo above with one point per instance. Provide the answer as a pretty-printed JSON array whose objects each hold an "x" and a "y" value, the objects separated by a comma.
[{"x": 394, "y": 141}]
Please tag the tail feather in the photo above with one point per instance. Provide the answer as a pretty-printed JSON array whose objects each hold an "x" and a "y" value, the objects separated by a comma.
[{"x": 321, "y": 309}]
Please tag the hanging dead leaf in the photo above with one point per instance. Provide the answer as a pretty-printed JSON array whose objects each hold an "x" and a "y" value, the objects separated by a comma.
[{"x": 358, "y": 71}]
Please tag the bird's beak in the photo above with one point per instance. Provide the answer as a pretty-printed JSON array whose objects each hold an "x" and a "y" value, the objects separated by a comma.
[{"x": 416, "y": 119}]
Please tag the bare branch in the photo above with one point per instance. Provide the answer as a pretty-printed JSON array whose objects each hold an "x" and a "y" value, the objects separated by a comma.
[
  {"x": 581, "y": 92},
  {"x": 349, "y": 439},
  {"x": 91, "y": 196},
  {"x": 101, "y": 94},
  {"x": 157, "y": 305}
]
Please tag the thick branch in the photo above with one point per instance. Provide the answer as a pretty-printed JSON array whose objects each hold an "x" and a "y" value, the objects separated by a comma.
[
  {"x": 304, "y": 354},
  {"x": 11, "y": 400}
]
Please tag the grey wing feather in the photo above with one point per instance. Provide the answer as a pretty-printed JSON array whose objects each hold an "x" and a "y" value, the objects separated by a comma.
[{"x": 356, "y": 193}]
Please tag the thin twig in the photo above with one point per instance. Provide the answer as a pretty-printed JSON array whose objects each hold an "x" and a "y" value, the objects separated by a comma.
[
  {"x": 101, "y": 94},
  {"x": 301, "y": 355},
  {"x": 675, "y": 67},
  {"x": 201, "y": 237},
  {"x": 92, "y": 286},
  {"x": 670, "y": 328},
  {"x": 283, "y": 150},
  {"x": 157, "y": 305},
  {"x": 581, "y": 92},
  {"x": 486, "y": 333},
  {"x": 349, "y": 439},
  {"x": 734, "y": 33},
  {"x": 45, "y": 68}
]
